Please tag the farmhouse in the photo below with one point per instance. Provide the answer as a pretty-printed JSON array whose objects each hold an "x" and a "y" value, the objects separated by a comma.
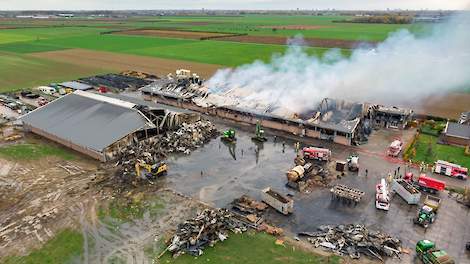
[
  {"x": 456, "y": 134},
  {"x": 89, "y": 123}
]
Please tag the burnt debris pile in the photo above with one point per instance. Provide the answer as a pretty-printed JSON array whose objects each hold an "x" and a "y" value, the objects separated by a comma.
[
  {"x": 206, "y": 229},
  {"x": 186, "y": 138},
  {"x": 354, "y": 240}
]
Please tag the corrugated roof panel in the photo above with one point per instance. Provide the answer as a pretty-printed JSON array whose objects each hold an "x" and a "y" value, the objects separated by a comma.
[
  {"x": 76, "y": 85},
  {"x": 86, "y": 122}
]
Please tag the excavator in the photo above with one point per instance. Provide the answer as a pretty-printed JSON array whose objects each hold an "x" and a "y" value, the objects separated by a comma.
[
  {"x": 229, "y": 135},
  {"x": 259, "y": 133},
  {"x": 148, "y": 171}
]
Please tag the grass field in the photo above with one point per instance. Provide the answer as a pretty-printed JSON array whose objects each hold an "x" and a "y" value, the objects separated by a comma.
[
  {"x": 251, "y": 248},
  {"x": 18, "y": 70},
  {"x": 66, "y": 247},
  {"x": 30, "y": 151},
  {"x": 429, "y": 151}
]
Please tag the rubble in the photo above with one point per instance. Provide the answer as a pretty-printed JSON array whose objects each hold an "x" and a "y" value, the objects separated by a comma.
[
  {"x": 151, "y": 151},
  {"x": 355, "y": 240},
  {"x": 249, "y": 211},
  {"x": 206, "y": 229}
]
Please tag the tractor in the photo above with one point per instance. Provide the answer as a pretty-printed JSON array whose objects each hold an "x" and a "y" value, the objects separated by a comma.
[
  {"x": 259, "y": 133},
  {"x": 229, "y": 135},
  {"x": 426, "y": 216}
]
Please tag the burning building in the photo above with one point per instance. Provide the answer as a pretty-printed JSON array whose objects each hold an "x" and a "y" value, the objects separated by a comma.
[
  {"x": 333, "y": 120},
  {"x": 390, "y": 117}
]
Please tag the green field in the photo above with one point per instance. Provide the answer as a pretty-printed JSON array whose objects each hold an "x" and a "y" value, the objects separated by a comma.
[
  {"x": 65, "y": 247},
  {"x": 428, "y": 151},
  {"x": 251, "y": 248},
  {"x": 30, "y": 151},
  {"x": 19, "y": 70}
]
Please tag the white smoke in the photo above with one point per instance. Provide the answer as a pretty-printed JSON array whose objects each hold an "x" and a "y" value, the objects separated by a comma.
[{"x": 403, "y": 68}]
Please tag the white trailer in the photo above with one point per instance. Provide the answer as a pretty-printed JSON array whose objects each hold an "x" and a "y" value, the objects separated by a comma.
[
  {"x": 409, "y": 193},
  {"x": 277, "y": 201}
]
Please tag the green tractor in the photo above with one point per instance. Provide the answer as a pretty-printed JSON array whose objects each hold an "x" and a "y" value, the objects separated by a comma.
[
  {"x": 229, "y": 135},
  {"x": 426, "y": 216},
  {"x": 426, "y": 251},
  {"x": 259, "y": 133}
]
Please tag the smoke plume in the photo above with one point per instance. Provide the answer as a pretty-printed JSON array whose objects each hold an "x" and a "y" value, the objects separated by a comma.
[{"x": 403, "y": 68}]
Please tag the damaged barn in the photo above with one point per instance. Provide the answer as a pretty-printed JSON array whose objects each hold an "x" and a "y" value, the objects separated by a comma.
[
  {"x": 333, "y": 120},
  {"x": 99, "y": 126}
]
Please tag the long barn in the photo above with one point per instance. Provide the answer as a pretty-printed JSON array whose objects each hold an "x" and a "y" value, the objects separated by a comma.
[{"x": 89, "y": 123}]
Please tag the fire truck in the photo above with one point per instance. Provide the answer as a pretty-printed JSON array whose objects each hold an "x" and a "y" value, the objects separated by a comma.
[
  {"x": 451, "y": 170},
  {"x": 395, "y": 148},
  {"x": 382, "y": 197},
  {"x": 425, "y": 183},
  {"x": 316, "y": 153}
]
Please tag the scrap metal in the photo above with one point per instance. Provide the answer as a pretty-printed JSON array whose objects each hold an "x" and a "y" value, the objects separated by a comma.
[
  {"x": 151, "y": 151},
  {"x": 206, "y": 229},
  {"x": 355, "y": 240}
]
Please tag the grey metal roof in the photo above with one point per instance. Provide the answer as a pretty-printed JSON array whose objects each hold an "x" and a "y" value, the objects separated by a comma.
[
  {"x": 76, "y": 85},
  {"x": 86, "y": 120},
  {"x": 458, "y": 130}
]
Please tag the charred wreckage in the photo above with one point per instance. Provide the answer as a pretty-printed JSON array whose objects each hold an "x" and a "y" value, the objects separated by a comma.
[{"x": 334, "y": 120}]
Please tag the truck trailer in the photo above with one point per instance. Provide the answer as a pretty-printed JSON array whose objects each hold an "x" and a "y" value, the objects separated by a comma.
[
  {"x": 409, "y": 193},
  {"x": 277, "y": 201}
]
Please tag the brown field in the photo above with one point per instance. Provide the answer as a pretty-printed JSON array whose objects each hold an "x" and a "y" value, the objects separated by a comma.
[
  {"x": 313, "y": 42},
  {"x": 449, "y": 105},
  {"x": 297, "y": 27},
  {"x": 173, "y": 33},
  {"x": 122, "y": 62}
]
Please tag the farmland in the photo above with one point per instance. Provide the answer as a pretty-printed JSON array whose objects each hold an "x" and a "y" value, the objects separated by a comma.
[{"x": 265, "y": 36}]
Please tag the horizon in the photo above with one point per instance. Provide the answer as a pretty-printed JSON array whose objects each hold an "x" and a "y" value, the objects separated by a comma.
[{"x": 241, "y": 5}]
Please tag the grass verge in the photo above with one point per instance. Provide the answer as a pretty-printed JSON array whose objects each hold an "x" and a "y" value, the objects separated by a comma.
[
  {"x": 65, "y": 247},
  {"x": 251, "y": 247},
  {"x": 30, "y": 151}
]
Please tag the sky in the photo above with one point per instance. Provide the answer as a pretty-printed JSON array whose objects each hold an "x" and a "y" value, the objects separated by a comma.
[{"x": 231, "y": 4}]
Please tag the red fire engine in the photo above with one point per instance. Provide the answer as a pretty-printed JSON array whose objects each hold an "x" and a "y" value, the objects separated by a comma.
[
  {"x": 426, "y": 183},
  {"x": 316, "y": 153},
  {"x": 451, "y": 170}
]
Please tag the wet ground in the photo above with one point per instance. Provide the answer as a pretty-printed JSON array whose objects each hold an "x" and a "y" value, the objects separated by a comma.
[{"x": 218, "y": 172}]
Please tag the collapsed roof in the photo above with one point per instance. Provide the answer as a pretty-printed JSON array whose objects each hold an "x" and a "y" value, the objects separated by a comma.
[{"x": 331, "y": 114}]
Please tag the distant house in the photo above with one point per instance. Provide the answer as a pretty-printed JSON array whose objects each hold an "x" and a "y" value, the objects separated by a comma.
[{"x": 456, "y": 134}]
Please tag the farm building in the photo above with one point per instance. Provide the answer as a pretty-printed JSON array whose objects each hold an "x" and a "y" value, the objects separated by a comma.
[
  {"x": 89, "y": 123},
  {"x": 332, "y": 120},
  {"x": 465, "y": 118},
  {"x": 76, "y": 86},
  {"x": 456, "y": 134},
  {"x": 390, "y": 117}
]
